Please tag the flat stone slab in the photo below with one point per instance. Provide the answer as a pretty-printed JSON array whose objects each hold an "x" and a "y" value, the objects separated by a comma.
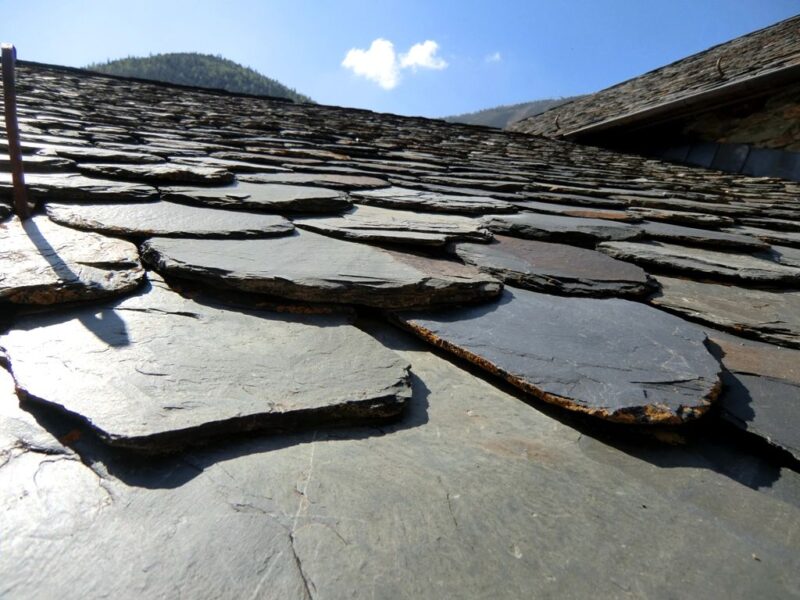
[
  {"x": 261, "y": 197},
  {"x": 329, "y": 180},
  {"x": 784, "y": 255},
  {"x": 572, "y": 352},
  {"x": 160, "y": 173},
  {"x": 772, "y": 317},
  {"x": 45, "y": 263},
  {"x": 782, "y": 238},
  {"x": 558, "y": 228},
  {"x": 680, "y": 217},
  {"x": 66, "y": 187},
  {"x": 693, "y": 236},
  {"x": 33, "y": 163},
  {"x": 375, "y": 224},
  {"x": 427, "y": 201},
  {"x": 555, "y": 268},
  {"x": 217, "y": 371},
  {"x": 167, "y": 219},
  {"x": 743, "y": 268},
  {"x": 315, "y": 268},
  {"x": 567, "y": 210}
]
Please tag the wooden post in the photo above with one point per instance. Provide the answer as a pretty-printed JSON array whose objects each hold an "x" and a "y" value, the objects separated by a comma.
[{"x": 12, "y": 132}]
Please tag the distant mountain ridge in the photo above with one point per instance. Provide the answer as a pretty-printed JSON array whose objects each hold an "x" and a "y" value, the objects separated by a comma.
[
  {"x": 503, "y": 116},
  {"x": 200, "y": 70}
]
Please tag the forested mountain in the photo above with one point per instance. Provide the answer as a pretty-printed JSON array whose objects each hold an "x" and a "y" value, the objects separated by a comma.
[
  {"x": 503, "y": 116},
  {"x": 201, "y": 70}
]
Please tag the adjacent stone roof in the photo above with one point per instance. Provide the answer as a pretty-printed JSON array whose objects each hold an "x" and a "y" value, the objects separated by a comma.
[
  {"x": 253, "y": 348},
  {"x": 762, "y": 54}
]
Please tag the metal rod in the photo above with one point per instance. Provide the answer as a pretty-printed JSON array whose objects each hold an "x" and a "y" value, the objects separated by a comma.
[{"x": 12, "y": 132}]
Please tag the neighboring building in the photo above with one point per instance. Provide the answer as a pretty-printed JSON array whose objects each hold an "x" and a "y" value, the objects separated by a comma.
[{"x": 734, "y": 107}]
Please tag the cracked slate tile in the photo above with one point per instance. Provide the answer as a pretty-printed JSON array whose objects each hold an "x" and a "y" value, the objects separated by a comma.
[
  {"x": 772, "y": 317},
  {"x": 555, "y": 268},
  {"x": 45, "y": 263},
  {"x": 315, "y": 268},
  {"x": 741, "y": 268},
  {"x": 264, "y": 197},
  {"x": 137, "y": 370},
  {"x": 573, "y": 353},
  {"x": 372, "y": 223},
  {"x": 167, "y": 219}
]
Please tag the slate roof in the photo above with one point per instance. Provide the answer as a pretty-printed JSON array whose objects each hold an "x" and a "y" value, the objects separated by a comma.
[
  {"x": 299, "y": 351},
  {"x": 759, "y": 60}
]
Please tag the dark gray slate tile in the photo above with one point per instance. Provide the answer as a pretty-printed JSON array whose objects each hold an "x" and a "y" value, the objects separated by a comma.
[
  {"x": 77, "y": 188},
  {"x": 772, "y": 317},
  {"x": 784, "y": 255},
  {"x": 567, "y": 210},
  {"x": 555, "y": 268},
  {"x": 372, "y": 223},
  {"x": 315, "y": 268},
  {"x": 556, "y": 228},
  {"x": 34, "y": 163},
  {"x": 167, "y": 219},
  {"x": 694, "y": 236},
  {"x": 781, "y": 238},
  {"x": 87, "y": 154},
  {"x": 45, "y": 263},
  {"x": 329, "y": 180},
  {"x": 680, "y": 217},
  {"x": 572, "y": 352},
  {"x": 160, "y": 173},
  {"x": 216, "y": 372},
  {"x": 422, "y": 200},
  {"x": 743, "y": 268},
  {"x": 261, "y": 197}
]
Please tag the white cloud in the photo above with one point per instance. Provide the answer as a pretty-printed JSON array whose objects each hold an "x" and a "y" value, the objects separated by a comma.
[
  {"x": 495, "y": 57},
  {"x": 378, "y": 64},
  {"x": 423, "y": 56},
  {"x": 381, "y": 64}
]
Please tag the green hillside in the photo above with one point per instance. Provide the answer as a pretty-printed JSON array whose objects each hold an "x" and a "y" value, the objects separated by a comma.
[
  {"x": 201, "y": 70},
  {"x": 503, "y": 116}
]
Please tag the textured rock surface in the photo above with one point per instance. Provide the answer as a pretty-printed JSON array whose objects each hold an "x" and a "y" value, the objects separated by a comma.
[
  {"x": 68, "y": 187},
  {"x": 407, "y": 199},
  {"x": 45, "y": 263},
  {"x": 572, "y": 353},
  {"x": 769, "y": 316},
  {"x": 296, "y": 516},
  {"x": 316, "y": 268},
  {"x": 680, "y": 217},
  {"x": 167, "y": 219},
  {"x": 371, "y": 223},
  {"x": 555, "y": 268},
  {"x": 218, "y": 371},
  {"x": 707, "y": 263},
  {"x": 567, "y": 210},
  {"x": 785, "y": 238},
  {"x": 261, "y": 197},
  {"x": 556, "y": 228},
  {"x": 161, "y": 173}
]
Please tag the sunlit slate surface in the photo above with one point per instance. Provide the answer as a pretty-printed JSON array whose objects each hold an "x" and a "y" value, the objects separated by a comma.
[{"x": 276, "y": 484}]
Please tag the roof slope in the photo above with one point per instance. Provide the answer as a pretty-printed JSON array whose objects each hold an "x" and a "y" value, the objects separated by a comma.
[
  {"x": 257, "y": 348},
  {"x": 761, "y": 54}
]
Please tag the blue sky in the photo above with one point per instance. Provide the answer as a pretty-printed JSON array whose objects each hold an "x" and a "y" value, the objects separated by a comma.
[{"x": 432, "y": 58}]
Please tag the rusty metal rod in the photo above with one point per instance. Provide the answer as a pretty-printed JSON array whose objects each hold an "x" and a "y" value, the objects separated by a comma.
[{"x": 12, "y": 132}]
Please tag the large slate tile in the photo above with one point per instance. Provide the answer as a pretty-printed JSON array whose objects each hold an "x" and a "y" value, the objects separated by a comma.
[
  {"x": 157, "y": 371},
  {"x": 742, "y": 268},
  {"x": 167, "y": 219},
  {"x": 771, "y": 236},
  {"x": 68, "y": 187},
  {"x": 572, "y": 352},
  {"x": 568, "y": 210},
  {"x": 160, "y": 173},
  {"x": 769, "y": 316},
  {"x": 315, "y": 268},
  {"x": 558, "y": 228},
  {"x": 328, "y": 180},
  {"x": 680, "y": 217},
  {"x": 555, "y": 268},
  {"x": 372, "y": 223},
  {"x": 427, "y": 201},
  {"x": 267, "y": 197},
  {"x": 693, "y": 236},
  {"x": 45, "y": 263}
]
